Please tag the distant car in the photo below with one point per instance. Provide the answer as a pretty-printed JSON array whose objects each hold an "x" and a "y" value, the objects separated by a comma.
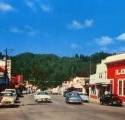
[
  {"x": 7, "y": 99},
  {"x": 84, "y": 96},
  {"x": 73, "y": 97},
  {"x": 111, "y": 99},
  {"x": 65, "y": 93},
  {"x": 42, "y": 96}
]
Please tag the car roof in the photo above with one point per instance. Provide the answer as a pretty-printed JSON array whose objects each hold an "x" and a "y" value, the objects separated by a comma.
[
  {"x": 9, "y": 89},
  {"x": 73, "y": 92},
  {"x": 6, "y": 92}
]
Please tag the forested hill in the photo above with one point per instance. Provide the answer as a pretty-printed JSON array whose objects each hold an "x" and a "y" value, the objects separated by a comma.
[{"x": 50, "y": 70}]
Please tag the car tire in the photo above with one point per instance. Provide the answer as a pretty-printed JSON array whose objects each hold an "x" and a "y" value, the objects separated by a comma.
[
  {"x": 110, "y": 104},
  {"x": 101, "y": 103}
]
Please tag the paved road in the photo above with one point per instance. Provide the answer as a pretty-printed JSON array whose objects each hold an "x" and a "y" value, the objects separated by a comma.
[{"x": 59, "y": 110}]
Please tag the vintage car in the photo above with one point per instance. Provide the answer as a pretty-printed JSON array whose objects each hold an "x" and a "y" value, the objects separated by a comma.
[
  {"x": 14, "y": 93},
  {"x": 73, "y": 97},
  {"x": 42, "y": 96},
  {"x": 111, "y": 99},
  {"x": 84, "y": 96},
  {"x": 7, "y": 99}
]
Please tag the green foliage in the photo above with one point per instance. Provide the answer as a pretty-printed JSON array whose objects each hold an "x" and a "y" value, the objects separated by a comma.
[{"x": 50, "y": 70}]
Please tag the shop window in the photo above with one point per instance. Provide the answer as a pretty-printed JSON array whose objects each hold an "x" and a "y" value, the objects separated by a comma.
[
  {"x": 100, "y": 75},
  {"x": 124, "y": 88},
  {"x": 93, "y": 91},
  {"x": 121, "y": 87}
]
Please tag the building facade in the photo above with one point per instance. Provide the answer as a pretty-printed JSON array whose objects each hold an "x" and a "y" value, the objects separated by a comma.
[
  {"x": 109, "y": 78},
  {"x": 99, "y": 84},
  {"x": 116, "y": 74}
]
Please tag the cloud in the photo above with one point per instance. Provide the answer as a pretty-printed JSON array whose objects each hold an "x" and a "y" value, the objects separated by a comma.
[
  {"x": 15, "y": 30},
  {"x": 75, "y": 46},
  {"x": 31, "y": 4},
  {"x": 78, "y": 25},
  {"x": 105, "y": 40},
  {"x": 28, "y": 30},
  {"x": 46, "y": 8},
  {"x": 121, "y": 37},
  {"x": 4, "y": 7},
  {"x": 88, "y": 23},
  {"x": 37, "y": 4}
]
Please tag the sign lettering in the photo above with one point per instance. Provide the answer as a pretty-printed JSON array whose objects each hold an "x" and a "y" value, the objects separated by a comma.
[{"x": 120, "y": 72}]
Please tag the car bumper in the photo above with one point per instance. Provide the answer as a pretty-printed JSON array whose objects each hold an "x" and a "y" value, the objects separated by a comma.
[
  {"x": 74, "y": 101},
  {"x": 6, "y": 103},
  {"x": 43, "y": 100},
  {"x": 117, "y": 103}
]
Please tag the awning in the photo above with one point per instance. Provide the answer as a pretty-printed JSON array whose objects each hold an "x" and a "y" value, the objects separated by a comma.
[
  {"x": 1, "y": 69},
  {"x": 77, "y": 85}
]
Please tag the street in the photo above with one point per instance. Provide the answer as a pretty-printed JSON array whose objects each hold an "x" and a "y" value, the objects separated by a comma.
[{"x": 59, "y": 110}]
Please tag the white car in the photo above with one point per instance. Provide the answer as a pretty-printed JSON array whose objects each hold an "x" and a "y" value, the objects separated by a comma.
[
  {"x": 7, "y": 98},
  {"x": 42, "y": 96},
  {"x": 14, "y": 93},
  {"x": 84, "y": 96}
]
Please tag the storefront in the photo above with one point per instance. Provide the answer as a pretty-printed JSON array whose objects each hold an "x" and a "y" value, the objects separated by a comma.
[
  {"x": 116, "y": 74},
  {"x": 99, "y": 84}
]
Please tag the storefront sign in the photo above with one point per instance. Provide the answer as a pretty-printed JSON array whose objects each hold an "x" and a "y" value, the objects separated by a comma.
[{"x": 120, "y": 72}]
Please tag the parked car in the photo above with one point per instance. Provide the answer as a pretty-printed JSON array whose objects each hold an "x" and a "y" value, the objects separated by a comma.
[
  {"x": 73, "y": 97},
  {"x": 84, "y": 96},
  {"x": 110, "y": 99},
  {"x": 14, "y": 93},
  {"x": 7, "y": 99},
  {"x": 42, "y": 96}
]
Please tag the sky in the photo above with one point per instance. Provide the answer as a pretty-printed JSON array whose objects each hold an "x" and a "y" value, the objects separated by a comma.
[{"x": 62, "y": 27}]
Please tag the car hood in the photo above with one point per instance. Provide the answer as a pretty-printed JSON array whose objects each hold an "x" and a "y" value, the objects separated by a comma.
[
  {"x": 44, "y": 96},
  {"x": 117, "y": 99},
  {"x": 7, "y": 99},
  {"x": 74, "y": 97}
]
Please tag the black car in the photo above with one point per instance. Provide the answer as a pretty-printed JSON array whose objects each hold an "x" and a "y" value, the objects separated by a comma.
[{"x": 111, "y": 99}]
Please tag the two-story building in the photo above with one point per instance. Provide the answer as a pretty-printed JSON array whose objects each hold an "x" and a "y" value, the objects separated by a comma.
[
  {"x": 116, "y": 74},
  {"x": 99, "y": 83},
  {"x": 109, "y": 78}
]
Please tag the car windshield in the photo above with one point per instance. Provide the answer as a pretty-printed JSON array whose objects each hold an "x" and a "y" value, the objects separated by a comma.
[
  {"x": 42, "y": 93},
  {"x": 73, "y": 94},
  {"x": 9, "y": 90},
  {"x": 8, "y": 94}
]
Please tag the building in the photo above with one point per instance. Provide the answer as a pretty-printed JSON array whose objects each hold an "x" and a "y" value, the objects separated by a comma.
[
  {"x": 75, "y": 84},
  {"x": 11, "y": 81},
  {"x": 109, "y": 78},
  {"x": 116, "y": 74},
  {"x": 99, "y": 84},
  {"x": 2, "y": 71}
]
